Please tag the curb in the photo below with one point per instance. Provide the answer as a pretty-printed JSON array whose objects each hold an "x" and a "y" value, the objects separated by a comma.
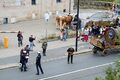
[
  {"x": 8, "y": 31},
  {"x": 9, "y": 66},
  {"x": 13, "y": 65}
]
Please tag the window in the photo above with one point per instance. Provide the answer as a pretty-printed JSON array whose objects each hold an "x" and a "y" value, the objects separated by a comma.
[
  {"x": 33, "y": 2},
  {"x": 58, "y": 1},
  {"x": 18, "y": 2}
]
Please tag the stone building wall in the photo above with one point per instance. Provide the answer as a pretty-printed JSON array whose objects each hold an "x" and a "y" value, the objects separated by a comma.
[{"x": 19, "y": 10}]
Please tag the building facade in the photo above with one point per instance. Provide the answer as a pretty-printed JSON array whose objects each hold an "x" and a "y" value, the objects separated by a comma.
[{"x": 18, "y": 10}]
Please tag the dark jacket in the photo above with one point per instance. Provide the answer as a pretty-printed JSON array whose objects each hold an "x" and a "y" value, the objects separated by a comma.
[
  {"x": 38, "y": 59},
  {"x": 44, "y": 45},
  {"x": 20, "y": 37},
  {"x": 27, "y": 49},
  {"x": 70, "y": 51},
  {"x": 31, "y": 39},
  {"x": 23, "y": 58},
  {"x": 77, "y": 21}
]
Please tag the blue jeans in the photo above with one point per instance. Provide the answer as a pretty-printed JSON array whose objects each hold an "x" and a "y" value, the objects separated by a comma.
[
  {"x": 31, "y": 45},
  {"x": 64, "y": 37}
]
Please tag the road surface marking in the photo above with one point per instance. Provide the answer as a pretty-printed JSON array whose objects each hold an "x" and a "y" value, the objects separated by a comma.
[{"x": 80, "y": 70}]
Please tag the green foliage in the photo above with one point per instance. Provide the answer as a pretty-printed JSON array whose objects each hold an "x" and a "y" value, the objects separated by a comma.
[
  {"x": 118, "y": 1},
  {"x": 112, "y": 73},
  {"x": 71, "y": 33},
  {"x": 98, "y": 78},
  {"x": 52, "y": 37},
  {"x": 106, "y": 0},
  {"x": 99, "y": 23}
]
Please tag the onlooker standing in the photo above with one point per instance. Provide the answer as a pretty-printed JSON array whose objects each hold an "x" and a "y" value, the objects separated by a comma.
[
  {"x": 117, "y": 22},
  {"x": 23, "y": 60},
  {"x": 31, "y": 39},
  {"x": 70, "y": 54},
  {"x": 113, "y": 6},
  {"x": 86, "y": 33},
  {"x": 20, "y": 38},
  {"x": 44, "y": 47},
  {"x": 38, "y": 64},
  {"x": 46, "y": 16},
  {"x": 65, "y": 33},
  {"x": 61, "y": 34}
]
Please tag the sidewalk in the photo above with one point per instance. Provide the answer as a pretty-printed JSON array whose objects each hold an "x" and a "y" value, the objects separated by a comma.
[{"x": 9, "y": 52}]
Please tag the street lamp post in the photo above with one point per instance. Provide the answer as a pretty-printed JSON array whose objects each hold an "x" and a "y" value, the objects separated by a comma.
[
  {"x": 69, "y": 6},
  {"x": 76, "y": 42}
]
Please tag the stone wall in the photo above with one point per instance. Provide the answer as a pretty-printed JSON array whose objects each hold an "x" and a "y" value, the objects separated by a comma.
[{"x": 20, "y": 10}]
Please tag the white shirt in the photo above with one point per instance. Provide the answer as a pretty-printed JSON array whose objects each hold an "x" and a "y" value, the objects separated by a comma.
[
  {"x": 86, "y": 31},
  {"x": 46, "y": 16}
]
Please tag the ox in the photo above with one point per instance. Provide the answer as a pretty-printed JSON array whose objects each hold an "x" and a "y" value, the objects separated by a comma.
[{"x": 62, "y": 21}]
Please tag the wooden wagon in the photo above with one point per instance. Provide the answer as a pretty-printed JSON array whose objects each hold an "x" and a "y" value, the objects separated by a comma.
[{"x": 110, "y": 40}]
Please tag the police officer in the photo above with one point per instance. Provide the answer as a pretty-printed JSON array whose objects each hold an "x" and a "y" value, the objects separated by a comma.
[
  {"x": 76, "y": 21},
  {"x": 23, "y": 60},
  {"x": 70, "y": 54},
  {"x": 44, "y": 47},
  {"x": 38, "y": 64}
]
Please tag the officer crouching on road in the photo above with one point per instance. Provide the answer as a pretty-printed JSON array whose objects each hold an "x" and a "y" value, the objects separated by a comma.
[
  {"x": 70, "y": 54},
  {"x": 38, "y": 64}
]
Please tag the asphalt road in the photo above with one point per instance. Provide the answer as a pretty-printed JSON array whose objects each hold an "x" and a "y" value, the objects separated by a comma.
[
  {"x": 51, "y": 54},
  {"x": 84, "y": 67}
]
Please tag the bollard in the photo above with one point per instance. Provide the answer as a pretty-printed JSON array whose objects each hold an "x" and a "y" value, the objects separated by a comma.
[{"x": 5, "y": 42}]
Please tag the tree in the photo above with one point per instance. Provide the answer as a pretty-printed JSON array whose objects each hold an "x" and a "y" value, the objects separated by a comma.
[
  {"x": 112, "y": 73},
  {"x": 117, "y": 1},
  {"x": 106, "y": 0}
]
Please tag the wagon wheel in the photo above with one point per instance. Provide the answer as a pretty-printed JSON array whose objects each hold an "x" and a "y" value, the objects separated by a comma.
[
  {"x": 100, "y": 52},
  {"x": 94, "y": 50},
  {"x": 105, "y": 52}
]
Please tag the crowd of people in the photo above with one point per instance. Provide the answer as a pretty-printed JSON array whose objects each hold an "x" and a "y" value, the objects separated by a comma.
[
  {"x": 95, "y": 29},
  {"x": 25, "y": 52},
  {"x": 64, "y": 34}
]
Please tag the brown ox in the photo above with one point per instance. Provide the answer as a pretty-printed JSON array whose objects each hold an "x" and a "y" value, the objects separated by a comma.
[{"x": 62, "y": 21}]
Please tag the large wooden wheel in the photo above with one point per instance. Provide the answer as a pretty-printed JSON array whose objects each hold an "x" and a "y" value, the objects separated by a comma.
[{"x": 94, "y": 50}]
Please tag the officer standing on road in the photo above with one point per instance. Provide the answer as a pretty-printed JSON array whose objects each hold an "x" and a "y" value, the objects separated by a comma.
[
  {"x": 27, "y": 49},
  {"x": 44, "y": 47},
  {"x": 38, "y": 64},
  {"x": 23, "y": 60},
  {"x": 70, "y": 54}
]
